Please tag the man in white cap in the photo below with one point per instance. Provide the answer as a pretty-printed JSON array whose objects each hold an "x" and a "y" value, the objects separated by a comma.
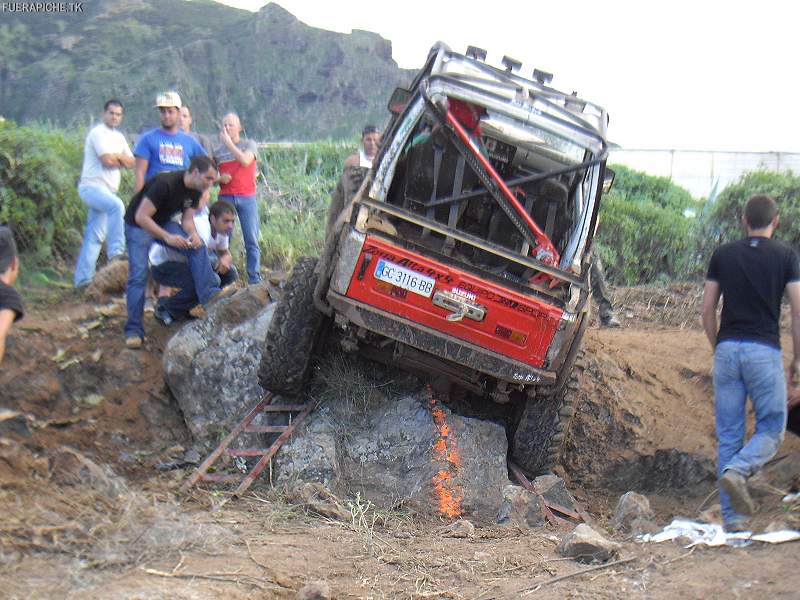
[{"x": 166, "y": 148}]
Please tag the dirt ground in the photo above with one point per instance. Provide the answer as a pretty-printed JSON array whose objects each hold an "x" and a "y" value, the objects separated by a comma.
[{"x": 115, "y": 526}]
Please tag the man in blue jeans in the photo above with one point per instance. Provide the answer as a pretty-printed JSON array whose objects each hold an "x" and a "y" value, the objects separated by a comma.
[
  {"x": 170, "y": 268},
  {"x": 149, "y": 219},
  {"x": 105, "y": 153},
  {"x": 751, "y": 275},
  {"x": 236, "y": 157}
]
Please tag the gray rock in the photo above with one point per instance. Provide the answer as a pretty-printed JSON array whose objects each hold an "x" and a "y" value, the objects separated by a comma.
[
  {"x": 316, "y": 590},
  {"x": 12, "y": 421},
  {"x": 584, "y": 544},
  {"x": 520, "y": 508},
  {"x": 631, "y": 506},
  {"x": 317, "y": 499},
  {"x": 192, "y": 456},
  {"x": 391, "y": 450},
  {"x": 211, "y": 364},
  {"x": 642, "y": 525},
  {"x": 458, "y": 529},
  {"x": 554, "y": 491}
]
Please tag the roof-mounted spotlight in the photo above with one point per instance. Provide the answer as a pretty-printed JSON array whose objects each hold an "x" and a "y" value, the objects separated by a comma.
[
  {"x": 575, "y": 103},
  {"x": 511, "y": 64},
  {"x": 476, "y": 53},
  {"x": 542, "y": 77}
]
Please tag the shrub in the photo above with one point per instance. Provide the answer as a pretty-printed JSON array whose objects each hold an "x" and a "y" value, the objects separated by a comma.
[
  {"x": 643, "y": 234},
  {"x": 641, "y": 242},
  {"x": 639, "y": 187},
  {"x": 724, "y": 216},
  {"x": 39, "y": 169}
]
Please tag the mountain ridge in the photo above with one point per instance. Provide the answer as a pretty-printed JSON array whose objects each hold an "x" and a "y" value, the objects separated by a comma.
[{"x": 286, "y": 79}]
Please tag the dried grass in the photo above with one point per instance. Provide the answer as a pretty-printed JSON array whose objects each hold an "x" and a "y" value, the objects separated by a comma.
[
  {"x": 345, "y": 380},
  {"x": 677, "y": 305},
  {"x": 101, "y": 531}
]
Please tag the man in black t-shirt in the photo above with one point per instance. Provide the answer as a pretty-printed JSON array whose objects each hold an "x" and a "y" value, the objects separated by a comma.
[
  {"x": 11, "y": 309},
  {"x": 149, "y": 219},
  {"x": 751, "y": 275}
]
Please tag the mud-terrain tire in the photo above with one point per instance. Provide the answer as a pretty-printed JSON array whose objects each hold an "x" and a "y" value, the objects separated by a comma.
[
  {"x": 292, "y": 333},
  {"x": 543, "y": 423}
]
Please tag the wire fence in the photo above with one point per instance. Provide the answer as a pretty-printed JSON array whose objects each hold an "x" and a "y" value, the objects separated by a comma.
[{"x": 704, "y": 173}]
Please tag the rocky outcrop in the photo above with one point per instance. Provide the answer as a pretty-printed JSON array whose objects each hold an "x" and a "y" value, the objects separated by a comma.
[
  {"x": 410, "y": 448},
  {"x": 297, "y": 83},
  {"x": 210, "y": 365}
]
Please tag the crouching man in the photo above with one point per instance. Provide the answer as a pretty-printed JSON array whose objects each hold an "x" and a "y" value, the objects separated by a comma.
[
  {"x": 149, "y": 219},
  {"x": 170, "y": 268},
  {"x": 751, "y": 275}
]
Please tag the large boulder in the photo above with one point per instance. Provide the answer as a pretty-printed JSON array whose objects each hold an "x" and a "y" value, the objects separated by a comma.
[
  {"x": 398, "y": 449},
  {"x": 211, "y": 364}
]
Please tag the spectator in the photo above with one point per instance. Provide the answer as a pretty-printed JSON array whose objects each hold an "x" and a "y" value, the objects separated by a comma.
[
  {"x": 751, "y": 275},
  {"x": 353, "y": 172},
  {"x": 166, "y": 148},
  {"x": 170, "y": 268},
  {"x": 370, "y": 141},
  {"x": 186, "y": 121},
  {"x": 105, "y": 152},
  {"x": 11, "y": 308},
  {"x": 236, "y": 158},
  {"x": 601, "y": 295},
  {"x": 149, "y": 218}
]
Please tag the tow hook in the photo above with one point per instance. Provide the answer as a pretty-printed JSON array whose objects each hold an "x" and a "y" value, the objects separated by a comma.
[{"x": 458, "y": 306}]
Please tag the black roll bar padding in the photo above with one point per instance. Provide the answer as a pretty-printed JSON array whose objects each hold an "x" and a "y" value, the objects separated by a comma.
[{"x": 521, "y": 180}]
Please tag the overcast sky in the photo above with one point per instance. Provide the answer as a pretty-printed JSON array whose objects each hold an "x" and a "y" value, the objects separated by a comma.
[{"x": 701, "y": 75}]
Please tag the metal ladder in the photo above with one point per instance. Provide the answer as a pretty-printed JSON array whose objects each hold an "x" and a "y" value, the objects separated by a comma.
[{"x": 266, "y": 454}]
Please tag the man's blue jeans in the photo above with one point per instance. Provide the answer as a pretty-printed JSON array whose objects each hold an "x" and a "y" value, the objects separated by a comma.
[
  {"x": 104, "y": 222},
  {"x": 178, "y": 275},
  {"x": 745, "y": 369},
  {"x": 247, "y": 209},
  {"x": 205, "y": 281}
]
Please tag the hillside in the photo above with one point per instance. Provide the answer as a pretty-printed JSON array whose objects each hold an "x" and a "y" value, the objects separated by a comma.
[{"x": 288, "y": 80}]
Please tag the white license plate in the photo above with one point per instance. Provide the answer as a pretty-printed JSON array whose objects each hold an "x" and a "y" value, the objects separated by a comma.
[{"x": 404, "y": 278}]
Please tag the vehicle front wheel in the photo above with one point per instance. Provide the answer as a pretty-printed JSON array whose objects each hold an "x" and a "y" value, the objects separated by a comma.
[{"x": 293, "y": 332}]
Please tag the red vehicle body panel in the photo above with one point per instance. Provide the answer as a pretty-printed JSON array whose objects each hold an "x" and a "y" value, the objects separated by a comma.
[{"x": 515, "y": 325}]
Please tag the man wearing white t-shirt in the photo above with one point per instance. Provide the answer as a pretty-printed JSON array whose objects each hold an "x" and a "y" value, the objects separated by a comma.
[
  {"x": 214, "y": 226},
  {"x": 105, "y": 152}
]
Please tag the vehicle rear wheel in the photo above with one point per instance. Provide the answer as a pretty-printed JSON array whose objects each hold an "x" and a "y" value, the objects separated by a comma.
[
  {"x": 543, "y": 423},
  {"x": 293, "y": 332}
]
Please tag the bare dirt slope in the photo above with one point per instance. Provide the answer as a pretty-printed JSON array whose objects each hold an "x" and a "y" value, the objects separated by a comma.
[{"x": 115, "y": 527}]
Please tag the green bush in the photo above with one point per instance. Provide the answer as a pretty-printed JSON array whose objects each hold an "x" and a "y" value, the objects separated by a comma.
[
  {"x": 724, "y": 216},
  {"x": 640, "y": 187},
  {"x": 39, "y": 169},
  {"x": 641, "y": 242},
  {"x": 643, "y": 235}
]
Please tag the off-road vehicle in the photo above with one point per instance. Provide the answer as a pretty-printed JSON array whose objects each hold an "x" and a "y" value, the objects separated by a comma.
[{"x": 465, "y": 252}]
